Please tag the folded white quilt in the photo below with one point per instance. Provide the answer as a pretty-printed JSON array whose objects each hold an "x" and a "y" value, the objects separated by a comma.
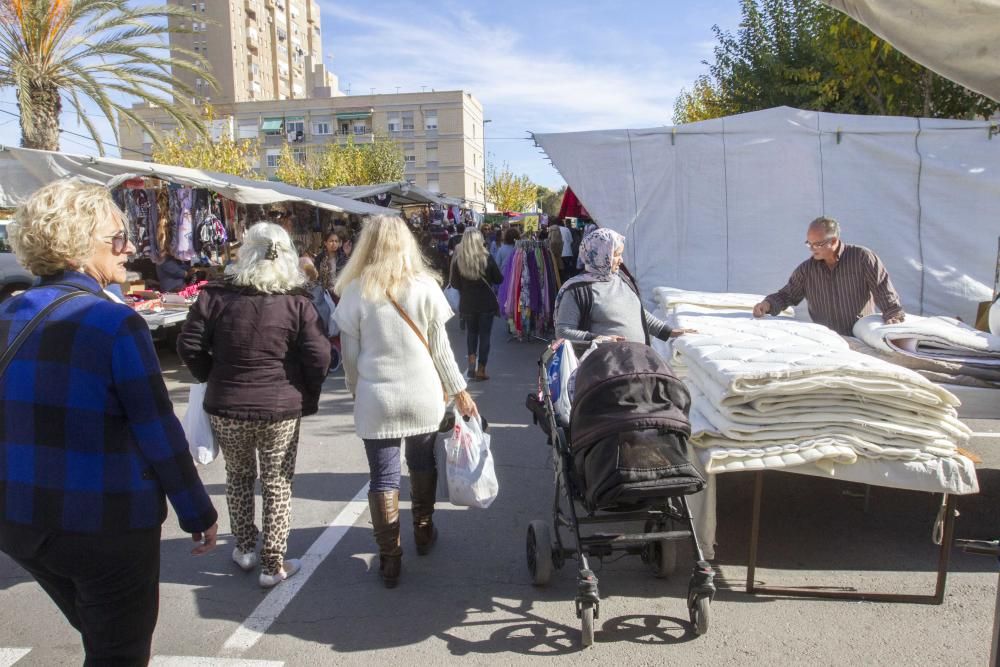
[
  {"x": 931, "y": 337},
  {"x": 671, "y": 298},
  {"x": 777, "y": 393}
]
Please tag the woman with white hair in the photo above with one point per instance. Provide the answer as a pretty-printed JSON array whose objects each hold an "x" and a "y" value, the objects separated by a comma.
[
  {"x": 401, "y": 371},
  {"x": 256, "y": 339},
  {"x": 474, "y": 272},
  {"x": 89, "y": 443}
]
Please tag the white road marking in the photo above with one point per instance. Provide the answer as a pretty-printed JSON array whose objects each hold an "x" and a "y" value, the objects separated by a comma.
[
  {"x": 492, "y": 425},
  {"x": 254, "y": 627},
  {"x": 194, "y": 661},
  {"x": 8, "y": 656}
]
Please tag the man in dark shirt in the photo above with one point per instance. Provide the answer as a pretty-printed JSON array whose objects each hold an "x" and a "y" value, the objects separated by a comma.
[{"x": 842, "y": 283}]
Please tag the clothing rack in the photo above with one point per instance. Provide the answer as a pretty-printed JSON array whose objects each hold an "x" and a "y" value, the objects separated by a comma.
[{"x": 527, "y": 294}]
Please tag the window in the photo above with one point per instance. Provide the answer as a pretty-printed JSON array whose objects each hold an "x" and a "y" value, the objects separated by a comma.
[
  {"x": 395, "y": 123},
  {"x": 272, "y": 126},
  {"x": 295, "y": 125},
  {"x": 407, "y": 121},
  {"x": 433, "y": 183},
  {"x": 247, "y": 129},
  {"x": 360, "y": 127},
  {"x": 299, "y": 154},
  {"x": 410, "y": 158},
  {"x": 321, "y": 127},
  {"x": 430, "y": 120},
  {"x": 272, "y": 157},
  {"x": 432, "y": 155}
]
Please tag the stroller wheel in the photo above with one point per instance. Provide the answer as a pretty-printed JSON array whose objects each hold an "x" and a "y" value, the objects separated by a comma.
[
  {"x": 587, "y": 625},
  {"x": 539, "y": 552},
  {"x": 661, "y": 555},
  {"x": 699, "y": 614}
]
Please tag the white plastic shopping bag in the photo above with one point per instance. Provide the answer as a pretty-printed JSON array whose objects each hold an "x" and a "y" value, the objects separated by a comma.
[
  {"x": 454, "y": 297},
  {"x": 561, "y": 369},
  {"x": 332, "y": 328},
  {"x": 472, "y": 479},
  {"x": 197, "y": 428}
]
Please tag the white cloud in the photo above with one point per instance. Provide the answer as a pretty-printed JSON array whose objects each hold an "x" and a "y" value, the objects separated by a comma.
[{"x": 523, "y": 83}]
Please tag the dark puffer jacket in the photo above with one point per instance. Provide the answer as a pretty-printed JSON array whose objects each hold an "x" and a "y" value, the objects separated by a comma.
[{"x": 264, "y": 356}]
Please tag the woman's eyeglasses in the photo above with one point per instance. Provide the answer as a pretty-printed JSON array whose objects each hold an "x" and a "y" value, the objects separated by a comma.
[{"x": 119, "y": 242}]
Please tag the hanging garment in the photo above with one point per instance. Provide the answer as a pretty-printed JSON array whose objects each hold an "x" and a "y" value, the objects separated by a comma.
[{"x": 184, "y": 224}]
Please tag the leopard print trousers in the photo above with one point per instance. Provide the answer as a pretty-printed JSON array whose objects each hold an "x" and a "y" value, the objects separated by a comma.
[{"x": 275, "y": 443}]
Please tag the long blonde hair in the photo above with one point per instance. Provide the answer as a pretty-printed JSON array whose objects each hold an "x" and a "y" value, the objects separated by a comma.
[
  {"x": 386, "y": 258},
  {"x": 471, "y": 254}
]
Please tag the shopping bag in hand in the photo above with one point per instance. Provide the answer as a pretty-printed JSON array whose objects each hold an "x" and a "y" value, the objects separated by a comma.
[
  {"x": 472, "y": 479},
  {"x": 197, "y": 429},
  {"x": 453, "y": 296}
]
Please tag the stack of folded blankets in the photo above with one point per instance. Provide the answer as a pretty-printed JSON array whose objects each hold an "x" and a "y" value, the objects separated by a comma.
[
  {"x": 779, "y": 393},
  {"x": 942, "y": 349}
]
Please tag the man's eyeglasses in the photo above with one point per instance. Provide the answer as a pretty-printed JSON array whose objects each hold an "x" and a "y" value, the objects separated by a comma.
[
  {"x": 821, "y": 244},
  {"x": 119, "y": 242}
]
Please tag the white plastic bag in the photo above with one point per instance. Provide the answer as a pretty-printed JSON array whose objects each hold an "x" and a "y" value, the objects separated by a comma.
[
  {"x": 561, "y": 369},
  {"x": 472, "y": 479},
  {"x": 454, "y": 297},
  {"x": 332, "y": 328},
  {"x": 197, "y": 428}
]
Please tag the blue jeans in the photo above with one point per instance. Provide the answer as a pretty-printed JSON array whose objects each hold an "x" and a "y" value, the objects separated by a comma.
[
  {"x": 383, "y": 459},
  {"x": 479, "y": 326}
]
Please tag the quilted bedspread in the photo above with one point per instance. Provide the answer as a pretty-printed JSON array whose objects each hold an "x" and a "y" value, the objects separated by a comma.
[
  {"x": 936, "y": 338},
  {"x": 778, "y": 393}
]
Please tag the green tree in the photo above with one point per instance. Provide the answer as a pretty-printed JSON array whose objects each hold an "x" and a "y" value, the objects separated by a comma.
[
  {"x": 549, "y": 201},
  {"x": 56, "y": 52},
  {"x": 227, "y": 155},
  {"x": 509, "y": 192},
  {"x": 350, "y": 163},
  {"x": 803, "y": 54}
]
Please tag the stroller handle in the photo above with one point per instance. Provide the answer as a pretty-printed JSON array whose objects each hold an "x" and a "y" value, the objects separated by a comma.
[{"x": 980, "y": 547}]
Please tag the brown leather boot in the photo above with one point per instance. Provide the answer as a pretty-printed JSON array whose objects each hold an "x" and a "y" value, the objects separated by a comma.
[
  {"x": 471, "y": 373},
  {"x": 423, "y": 487},
  {"x": 384, "y": 507},
  {"x": 481, "y": 373}
]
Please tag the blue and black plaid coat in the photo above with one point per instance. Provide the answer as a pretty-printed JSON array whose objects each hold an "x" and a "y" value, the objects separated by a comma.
[{"x": 88, "y": 438}]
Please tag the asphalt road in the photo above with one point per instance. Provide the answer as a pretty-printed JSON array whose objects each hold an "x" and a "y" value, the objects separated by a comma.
[{"x": 471, "y": 598}]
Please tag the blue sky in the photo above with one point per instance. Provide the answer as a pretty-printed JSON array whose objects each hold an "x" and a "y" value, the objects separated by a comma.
[{"x": 536, "y": 65}]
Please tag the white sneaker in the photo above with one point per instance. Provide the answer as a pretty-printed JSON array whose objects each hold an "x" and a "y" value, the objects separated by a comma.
[
  {"x": 246, "y": 561},
  {"x": 289, "y": 569}
]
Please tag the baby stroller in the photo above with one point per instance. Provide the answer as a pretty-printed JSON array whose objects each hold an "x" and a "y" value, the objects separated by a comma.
[{"x": 621, "y": 459}]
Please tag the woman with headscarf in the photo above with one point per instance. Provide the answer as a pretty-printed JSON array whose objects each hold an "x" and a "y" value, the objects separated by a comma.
[{"x": 602, "y": 304}]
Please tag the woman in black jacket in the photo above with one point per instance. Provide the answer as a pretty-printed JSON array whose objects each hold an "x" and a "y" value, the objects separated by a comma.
[
  {"x": 257, "y": 341},
  {"x": 474, "y": 272}
]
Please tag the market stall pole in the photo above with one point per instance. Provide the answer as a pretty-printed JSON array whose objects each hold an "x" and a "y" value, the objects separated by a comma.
[{"x": 831, "y": 593}]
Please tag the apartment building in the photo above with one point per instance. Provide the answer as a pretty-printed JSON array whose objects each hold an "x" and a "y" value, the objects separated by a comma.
[
  {"x": 256, "y": 49},
  {"x": 441, "y": 133}
]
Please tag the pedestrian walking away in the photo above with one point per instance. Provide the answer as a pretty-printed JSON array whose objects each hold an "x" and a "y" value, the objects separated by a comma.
[
  {"x": 474, "y": 273},
  {"x": 88, "y": 438},
  {"x": 400, "y": 369},
  {"x": 256, "y": 339}
]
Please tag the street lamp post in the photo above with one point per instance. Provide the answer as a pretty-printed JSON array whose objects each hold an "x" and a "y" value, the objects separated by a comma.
[{"x": 484, "y": 164}]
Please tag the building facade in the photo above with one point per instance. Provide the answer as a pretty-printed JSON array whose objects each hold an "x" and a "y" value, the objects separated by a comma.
[
  {"x": 441, "y": 133},
  {"x": 256, "y": 49}
]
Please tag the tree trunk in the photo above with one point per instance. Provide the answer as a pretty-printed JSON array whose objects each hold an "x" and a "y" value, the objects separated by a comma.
[
  {"x": 927, "y": 87},
  {"x": 40, "y": 128}
]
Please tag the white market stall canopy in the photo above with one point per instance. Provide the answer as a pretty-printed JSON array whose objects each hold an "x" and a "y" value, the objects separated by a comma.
[
  {"x": 722, "y": 205},
  {"x": 958, "y": 39},
  {"x": 403, "y": 193},
  {"x": 22, "y": 171}
]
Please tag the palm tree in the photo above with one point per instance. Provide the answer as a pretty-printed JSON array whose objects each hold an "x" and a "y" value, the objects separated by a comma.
[{"x": 56, "y": 52}]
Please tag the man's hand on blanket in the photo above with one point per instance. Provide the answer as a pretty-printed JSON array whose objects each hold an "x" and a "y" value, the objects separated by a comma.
[
  {"x": 898, "y": 319},
  {"x": 677, "y": 333},
  {"x": 762, "y": 309}
]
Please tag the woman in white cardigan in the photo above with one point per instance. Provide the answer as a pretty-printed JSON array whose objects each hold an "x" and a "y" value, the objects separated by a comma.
[{"x": 400, "y": 369}]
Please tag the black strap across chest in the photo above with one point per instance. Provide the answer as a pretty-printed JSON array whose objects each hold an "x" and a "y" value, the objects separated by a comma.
[{"x": 22, "y": 336}]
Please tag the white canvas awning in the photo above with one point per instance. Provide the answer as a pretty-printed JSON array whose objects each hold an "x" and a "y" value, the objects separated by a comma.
[
  {"x": 22, "y": 171},
  {"x": 958, "y": 39},
  {"x": 722, "y": 205},
  {"x": 403, "y": 193}
]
